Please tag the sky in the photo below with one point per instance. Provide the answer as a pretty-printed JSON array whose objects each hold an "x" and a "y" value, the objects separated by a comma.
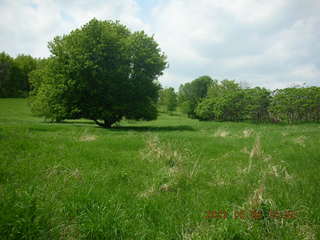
[{"x": 273, "y": 44}]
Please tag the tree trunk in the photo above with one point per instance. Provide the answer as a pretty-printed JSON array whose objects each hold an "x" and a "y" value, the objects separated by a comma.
[
  {"x": 104, "y": 124},
  {"x": 107, "y": 123}
]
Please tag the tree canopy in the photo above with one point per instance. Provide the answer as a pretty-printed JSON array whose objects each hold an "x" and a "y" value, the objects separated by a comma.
[
  {"x": 14, "y": 74},
  {"x": 103, "y": 72},
  {"x": 190, "y": 94},
  {"x": 228, "y": 101}
]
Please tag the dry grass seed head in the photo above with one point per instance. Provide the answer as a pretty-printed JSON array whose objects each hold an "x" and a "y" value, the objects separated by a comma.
[
  {"x": 256, "y": 151},
  {"x": 247, "y": 133},
  {"x": 55, "y": 170},
  {"x": 267, "y": 158},
  {"x": 149, "y": 192},
  {"x": 245, "y": 150},
  {"x": 257, "y": 198},
  {"x": 167, "y": 187},
  {"x": 279, "y": 171}
]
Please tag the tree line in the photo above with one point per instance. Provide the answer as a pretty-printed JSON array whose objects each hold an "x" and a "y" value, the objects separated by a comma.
[
  {"x": 207, "y": 99},
  {"x": 14, "y": 74},
  {"x": 105, "y": 72}
]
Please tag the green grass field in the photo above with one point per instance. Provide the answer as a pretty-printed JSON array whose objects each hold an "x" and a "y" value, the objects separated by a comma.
[{"x": 173, "y": 178}]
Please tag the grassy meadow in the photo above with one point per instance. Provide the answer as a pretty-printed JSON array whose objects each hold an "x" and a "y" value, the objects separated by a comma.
[{"x": 172, "y": 178}]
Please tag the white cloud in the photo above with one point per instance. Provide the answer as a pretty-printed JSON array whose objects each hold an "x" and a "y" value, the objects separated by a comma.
[
  {"x": 261, "y": 42},
  {"x": 268, "y": 43},
  {"x": 27, "y": 26}
]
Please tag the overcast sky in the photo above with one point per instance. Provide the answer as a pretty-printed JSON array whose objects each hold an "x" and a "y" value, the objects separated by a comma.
[{"x": 274, "y": 43}]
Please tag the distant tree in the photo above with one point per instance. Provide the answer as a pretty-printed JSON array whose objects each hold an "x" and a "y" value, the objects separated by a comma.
[
  {"x": 8, "y": 87},
  {"x": 206, "y": 109},
  {"x": 230, "y": 107},
  {"x": 296, "y": 104},
  {"x": 168, "y": 99},
  {"x": 229, "y": 101},
  {"x": 257, "y": 103},
  {"x": 102, "y": 72},
  {"x": 219, "y": 89},
  {"x": 190, "y": 94},
  {"x": 14, "y": 75},
  {"x": 24, "y": 64},
  {"x": 225, "y": 102},
  {"x": 35, "y": 76}
]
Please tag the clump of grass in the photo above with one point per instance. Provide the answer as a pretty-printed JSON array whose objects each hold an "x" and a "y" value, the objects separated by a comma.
[
  {"x": 62, "y": 172},
  {"x": 148, "y": 193},
  {"x": 307, "y": 232},
  {"x": 156, "y": 151},
  {"x": 221, "y": 133},
  {"x": 170, "y": 162},
  {"x": 300, "y": 140},
  {"x": 247, "y": 133},
  {"x": 256, "y": 151},
  {"x": 279, "y": 171}
]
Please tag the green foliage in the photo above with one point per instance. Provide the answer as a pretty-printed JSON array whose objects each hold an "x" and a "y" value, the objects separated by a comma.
[
  {"x": 25, "y": 64},
  {"x": 14, "y": 75},
  {"x": 100, "y": 72},
  {"x": 225, "y": 102},
  {"x": 46, "y": 96},
  {"x": 190, "y": 94},
  {"x": 7, "y": 85},
  {"x": 296, "y": 104},
  {"x": 257, "y": 103},
  {"x": 168, "y": 99},
  {"x": 205, "y": 109}
]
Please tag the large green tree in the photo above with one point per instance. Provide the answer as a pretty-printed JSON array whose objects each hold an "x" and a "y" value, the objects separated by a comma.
[{"x": 103, "y": 72}]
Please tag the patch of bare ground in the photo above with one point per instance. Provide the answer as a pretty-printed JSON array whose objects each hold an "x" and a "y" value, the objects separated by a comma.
[{"x": 88, "y": 138}]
